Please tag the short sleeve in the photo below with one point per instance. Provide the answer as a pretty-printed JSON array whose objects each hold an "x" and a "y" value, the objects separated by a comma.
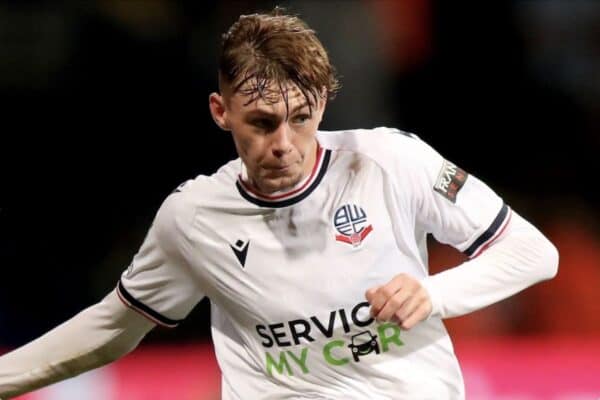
[
  {"x": 159, "y": 282},
  {"x": 457, "y": 208}
]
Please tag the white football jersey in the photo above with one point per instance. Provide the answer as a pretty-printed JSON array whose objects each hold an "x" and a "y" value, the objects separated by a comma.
[{"x": 286, "y": 274}]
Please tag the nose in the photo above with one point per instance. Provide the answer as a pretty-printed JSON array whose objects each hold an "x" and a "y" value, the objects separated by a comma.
[{"x": 281, "y": 140}]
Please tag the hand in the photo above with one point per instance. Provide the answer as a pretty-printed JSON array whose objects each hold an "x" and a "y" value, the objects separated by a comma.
[{"x": 402, "y": 300}]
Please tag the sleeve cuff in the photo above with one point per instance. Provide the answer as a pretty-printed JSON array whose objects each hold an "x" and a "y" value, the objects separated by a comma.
[
  {"x": 491, "y": 233},
  {"x": 143, "y": 309}
]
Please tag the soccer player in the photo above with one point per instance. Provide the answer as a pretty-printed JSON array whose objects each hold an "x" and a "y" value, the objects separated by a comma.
[{"x": 311, "y": 247}]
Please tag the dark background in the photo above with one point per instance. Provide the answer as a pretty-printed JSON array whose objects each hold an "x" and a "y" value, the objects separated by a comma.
[{"x": 105, "y": 111}]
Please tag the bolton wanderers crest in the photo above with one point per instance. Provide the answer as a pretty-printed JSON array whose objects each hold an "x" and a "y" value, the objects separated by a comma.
[{"x": 351, "y": 224}]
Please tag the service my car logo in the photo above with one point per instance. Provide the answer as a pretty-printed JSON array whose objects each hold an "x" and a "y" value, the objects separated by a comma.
[
  {"x": 350, "y": 221},
  {"x": 346, "y": 336}
]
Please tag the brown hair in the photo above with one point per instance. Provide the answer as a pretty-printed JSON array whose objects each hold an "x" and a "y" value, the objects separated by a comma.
[{"x": 260, "y": 50}]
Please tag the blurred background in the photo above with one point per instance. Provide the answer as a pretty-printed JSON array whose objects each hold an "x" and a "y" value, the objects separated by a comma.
[{"x": 105, "y": 112}]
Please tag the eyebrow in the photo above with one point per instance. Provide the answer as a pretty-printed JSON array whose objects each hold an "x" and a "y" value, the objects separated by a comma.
[
  {"x": 270, "y": 114},
  {"x": 299, "y": 107}
]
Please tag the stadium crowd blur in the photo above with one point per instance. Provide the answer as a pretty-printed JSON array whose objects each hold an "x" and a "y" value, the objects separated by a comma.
[{"x": 105, "y": 113}]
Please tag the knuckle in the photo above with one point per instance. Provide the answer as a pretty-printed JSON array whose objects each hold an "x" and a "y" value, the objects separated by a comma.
[
  {"x": 375, "y": 308},
  {"x": 383, "y": 317},
  {"x": 420, "y": 293},
  {"x": 369, "y": 294},
  {"x": 379, "y": 299},
  {"x": 395, "y": 302},
  {"x": 400, "y": 315},
  {"x": 387, "y": 292},
  {"x": 414, "y": 283}
]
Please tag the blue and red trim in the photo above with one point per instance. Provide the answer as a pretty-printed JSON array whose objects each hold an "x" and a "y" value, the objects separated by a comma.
[
  {"x": 293, "y": 196},
  {"x": 143, "y": 309},
  {"x": 495, "y": 230}
]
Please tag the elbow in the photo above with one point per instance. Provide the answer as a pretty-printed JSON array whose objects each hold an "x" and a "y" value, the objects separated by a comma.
[
  {"x": 550, "y": 260},
  {"x": 539, "y": 255},
  {"x": 117, "y": 349}
]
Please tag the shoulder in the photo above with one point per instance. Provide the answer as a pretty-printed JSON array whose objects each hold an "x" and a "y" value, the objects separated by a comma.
[
  {"x": 353, "y": 138},
  {"x": 390, "y": 148},
  {"x": 175, "y": 216}
]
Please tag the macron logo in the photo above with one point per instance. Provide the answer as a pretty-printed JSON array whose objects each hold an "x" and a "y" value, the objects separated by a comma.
[{"x": 240, "y": 249}]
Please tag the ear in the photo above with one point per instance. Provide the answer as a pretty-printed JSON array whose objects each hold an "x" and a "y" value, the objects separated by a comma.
[{"x": 216, "y": 104}]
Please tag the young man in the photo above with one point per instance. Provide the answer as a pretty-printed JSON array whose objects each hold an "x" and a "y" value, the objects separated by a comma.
[{"x": 311, "y": 247}]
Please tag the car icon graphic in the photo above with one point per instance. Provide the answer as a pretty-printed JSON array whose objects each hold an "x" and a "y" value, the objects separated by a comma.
[{"x": 362, "y": 344}]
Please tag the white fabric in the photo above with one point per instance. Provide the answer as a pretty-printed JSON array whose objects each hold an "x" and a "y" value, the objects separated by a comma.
[
  {"x": 521, "y": 257},
  {"x": 286, "y": 275},
  {"x": 288, "y": 309},
  {"x": 96, "y": 336},
  {"x": 158, "y": 275}
]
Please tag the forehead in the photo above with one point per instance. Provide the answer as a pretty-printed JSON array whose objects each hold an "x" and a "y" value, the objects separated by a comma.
[{"x": 273, "y": 98}]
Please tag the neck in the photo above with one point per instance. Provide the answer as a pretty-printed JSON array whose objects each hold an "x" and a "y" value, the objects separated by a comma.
[{"x": 308, "y": 168}]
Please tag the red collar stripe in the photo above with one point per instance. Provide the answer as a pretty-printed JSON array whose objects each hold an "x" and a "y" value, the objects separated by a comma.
[
  {"x": 293, "y": 196},
  {"x": 311, "y": 178}
]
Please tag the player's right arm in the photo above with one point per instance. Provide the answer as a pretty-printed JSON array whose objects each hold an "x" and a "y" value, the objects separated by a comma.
[
  {"x": 157, "y": 288},
  {"x": 97, "y": 336}
]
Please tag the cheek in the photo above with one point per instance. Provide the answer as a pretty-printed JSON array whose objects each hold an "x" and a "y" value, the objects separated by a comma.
[
  {"x": 248, "y": 149},
  {"x": 305, "y": 138}
]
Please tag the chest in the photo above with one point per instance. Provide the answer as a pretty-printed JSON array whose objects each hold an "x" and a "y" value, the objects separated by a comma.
[{"x": 318, "y": 255}]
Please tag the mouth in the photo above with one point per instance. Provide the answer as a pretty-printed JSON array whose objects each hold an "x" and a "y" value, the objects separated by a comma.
[
  {"x": 283, "y": 167},
  {"x": 278, "y": 170}
]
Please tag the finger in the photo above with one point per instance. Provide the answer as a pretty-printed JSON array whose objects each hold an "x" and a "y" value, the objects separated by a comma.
[
  {"x": 371, "y": 292},
  {"x": 403, "y": 286},
  {"x": 382, "y": 294},
  {"x": 393, "y": 304},
  {"x": 417, "y": 316},
  {"x": 411, "y": 305}
]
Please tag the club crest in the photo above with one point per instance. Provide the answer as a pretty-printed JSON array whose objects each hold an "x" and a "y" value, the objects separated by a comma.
[{"x": 351, "y": 224}]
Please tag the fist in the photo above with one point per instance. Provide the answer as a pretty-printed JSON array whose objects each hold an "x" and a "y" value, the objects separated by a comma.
[{"x": 402, "y": 300}]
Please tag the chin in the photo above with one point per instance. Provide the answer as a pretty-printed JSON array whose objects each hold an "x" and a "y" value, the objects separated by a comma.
[{"x": 270, "y": 185}]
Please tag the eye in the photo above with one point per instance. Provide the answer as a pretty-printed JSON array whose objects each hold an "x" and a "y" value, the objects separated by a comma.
[
  {"x": 301, "y": 119},
  {"x": 262, "y": 123}
]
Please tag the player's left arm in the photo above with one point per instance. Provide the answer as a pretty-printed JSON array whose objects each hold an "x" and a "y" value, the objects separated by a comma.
[
  {"x": 507, "y": 253},
  {"x": 521, "y": 257}
]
